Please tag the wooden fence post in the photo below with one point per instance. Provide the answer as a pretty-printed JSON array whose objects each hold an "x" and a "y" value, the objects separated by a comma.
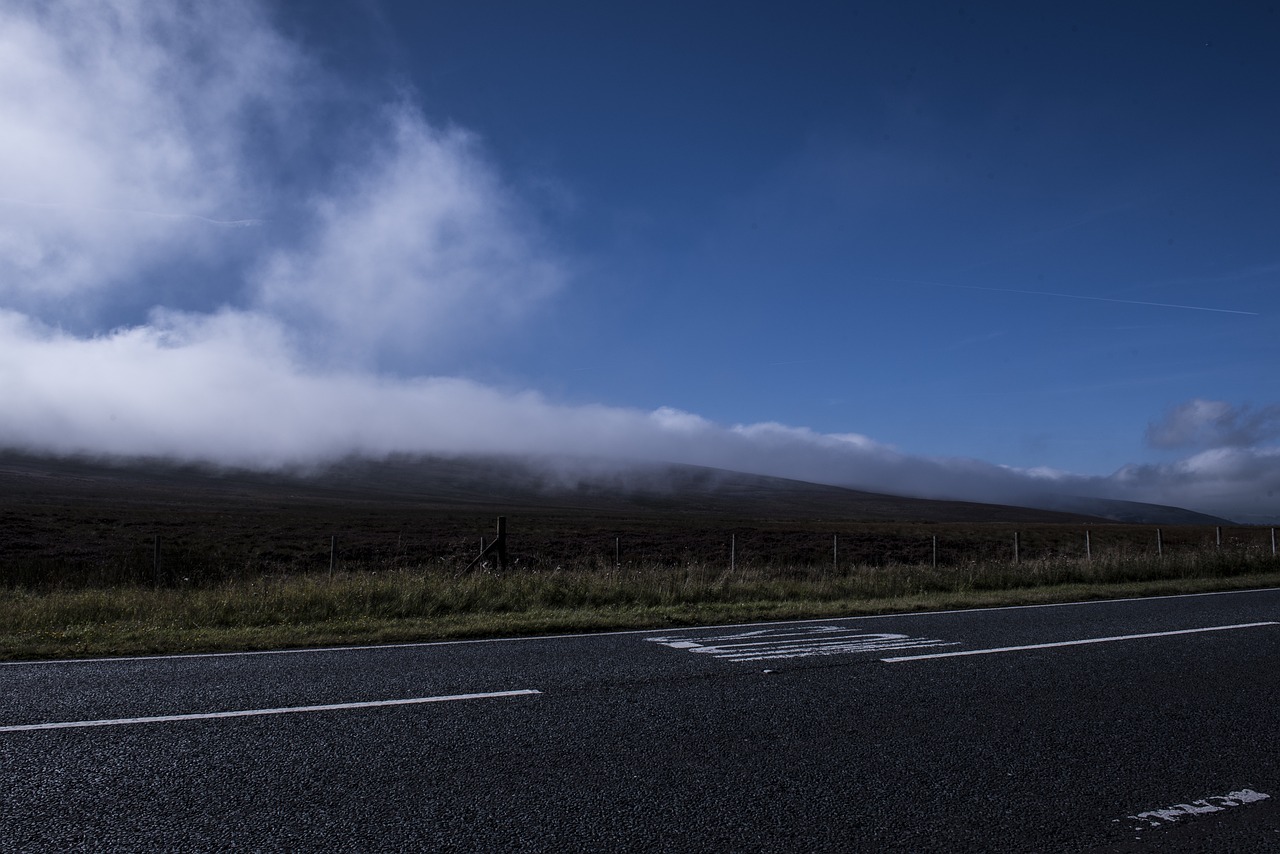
[
  {"x": 155, "y": 561},
  {"x": 1088, "y": 546},
  {"x": 497, "y": 547},
  {"x": 1159, "y": 544},
  {"x": 1016, "y": 555}
]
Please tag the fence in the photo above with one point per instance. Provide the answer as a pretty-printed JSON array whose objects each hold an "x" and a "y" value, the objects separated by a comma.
[{"x": 206, "y": 555}]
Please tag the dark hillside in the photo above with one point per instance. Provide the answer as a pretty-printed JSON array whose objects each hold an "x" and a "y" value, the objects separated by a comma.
[
  {"x": 473, "y": 483},
  {"x": 77, "y": 521}
]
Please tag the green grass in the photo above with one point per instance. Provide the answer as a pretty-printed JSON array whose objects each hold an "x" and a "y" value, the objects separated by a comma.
[{"x": 375, "y": 603}]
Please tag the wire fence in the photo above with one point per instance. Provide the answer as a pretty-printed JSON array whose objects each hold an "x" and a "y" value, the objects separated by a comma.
[{"x": 201, "y": 557}]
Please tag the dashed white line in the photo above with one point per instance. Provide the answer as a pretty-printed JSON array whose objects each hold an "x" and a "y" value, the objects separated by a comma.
[
  {"x": 248, "y": 713},
  {"x": 999, "y": 649}
]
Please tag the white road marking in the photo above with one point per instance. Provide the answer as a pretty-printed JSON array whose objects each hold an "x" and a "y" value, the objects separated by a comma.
[
  {"x": 618, "y": 633},
  {"x": 770, "y": 644},
  {"x": 1074, "y": 642},
  {"x": 247, "y": 713},
  {"x": 1218, "y": 803}
]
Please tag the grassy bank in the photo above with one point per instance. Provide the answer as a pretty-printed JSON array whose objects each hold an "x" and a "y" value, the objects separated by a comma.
[{"x": 376, "y": 604}]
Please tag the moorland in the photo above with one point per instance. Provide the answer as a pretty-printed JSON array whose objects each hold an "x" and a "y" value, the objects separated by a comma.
[{"x": 107, "y": 557}]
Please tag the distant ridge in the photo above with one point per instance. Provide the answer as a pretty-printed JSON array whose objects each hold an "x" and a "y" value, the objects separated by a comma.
[
  {"x": 1134, "y": 512},
  {"x": 530, "y": 484}
]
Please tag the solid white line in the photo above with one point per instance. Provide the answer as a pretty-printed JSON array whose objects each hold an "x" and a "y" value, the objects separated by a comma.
[
  {"x": 1075, "y": 642},
  {"x": 622, "y": 632},
  {"x": 248, "y": 713}
]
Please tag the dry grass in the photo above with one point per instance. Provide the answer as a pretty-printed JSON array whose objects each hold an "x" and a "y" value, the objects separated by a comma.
[{"x": 377, "y": 602}]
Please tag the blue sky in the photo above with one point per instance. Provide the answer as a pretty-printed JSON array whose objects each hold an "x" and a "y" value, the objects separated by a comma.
[{"x": 940, "y": 249}]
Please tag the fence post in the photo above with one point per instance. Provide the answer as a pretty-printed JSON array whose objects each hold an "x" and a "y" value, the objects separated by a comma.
[
  {"x": 1273, "y": 542},
  {"x": 155, "y": 561},
  {"x": 1219, "y": 530},
  {"x": 498, "y": 547},
  {"x": 835, "y": 553},
  {"x": 617, "y": 552},
  {"x": 333, "y": 553},
  {"x": 935, "y": 551},
  {"x": 1088, "y": 546},
  {"x": 1159, "y": 544},
  {"x": 1016, "y": 556},
  {"x": 733, "y": 552}
]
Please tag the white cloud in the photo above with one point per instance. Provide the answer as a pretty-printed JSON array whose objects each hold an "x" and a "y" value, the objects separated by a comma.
[
  {"x": 1214, "y": 424},
  {"x": 118, "y": 121},
  {"x": 420, "y": 249},
  {"x": 676, "y": 421}
]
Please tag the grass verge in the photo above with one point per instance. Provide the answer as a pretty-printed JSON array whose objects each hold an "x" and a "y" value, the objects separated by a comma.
[{"x": 371, "y": 605}]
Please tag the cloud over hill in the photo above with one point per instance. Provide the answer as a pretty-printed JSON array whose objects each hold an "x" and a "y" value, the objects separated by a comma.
[{"x": 170, "y": 286}]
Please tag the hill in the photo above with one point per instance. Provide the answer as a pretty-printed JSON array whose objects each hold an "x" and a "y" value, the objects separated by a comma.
[
  {"x": 511, "y": 484},
  {"x": 103, "y": 522}
]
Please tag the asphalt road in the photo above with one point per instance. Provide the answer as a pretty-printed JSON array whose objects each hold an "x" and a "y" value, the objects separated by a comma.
[{"x": 986, "y": 730}]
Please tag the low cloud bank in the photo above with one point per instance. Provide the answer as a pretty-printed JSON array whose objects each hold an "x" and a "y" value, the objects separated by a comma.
[
  {"x": 137, "y": 137},
  {"x": 231, "y": 388}
]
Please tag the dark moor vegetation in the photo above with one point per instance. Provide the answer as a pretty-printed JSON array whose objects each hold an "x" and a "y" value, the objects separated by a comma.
[{"x": 261, "y": 568}]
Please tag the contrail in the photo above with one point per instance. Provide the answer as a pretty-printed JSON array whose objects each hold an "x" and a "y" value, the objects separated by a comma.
[
  {"x": 232, "y": 223},
  {"x": 1099, "y": 299}
]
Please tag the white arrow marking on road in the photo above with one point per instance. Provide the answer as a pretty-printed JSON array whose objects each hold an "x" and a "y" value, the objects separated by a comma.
[
  {"x": 1075, "y": 642},
  {"x": 248, "y": 713},
  {"x": 770, "y": 644}
]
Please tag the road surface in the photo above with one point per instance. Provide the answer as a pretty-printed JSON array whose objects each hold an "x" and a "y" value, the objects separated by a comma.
[{"x": 1109, "y": 726}]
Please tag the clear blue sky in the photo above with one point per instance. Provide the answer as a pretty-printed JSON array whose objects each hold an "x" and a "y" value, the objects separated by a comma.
[
  {"x": 785, "y": 213},
  {"x": 1033, "y": 236}
]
